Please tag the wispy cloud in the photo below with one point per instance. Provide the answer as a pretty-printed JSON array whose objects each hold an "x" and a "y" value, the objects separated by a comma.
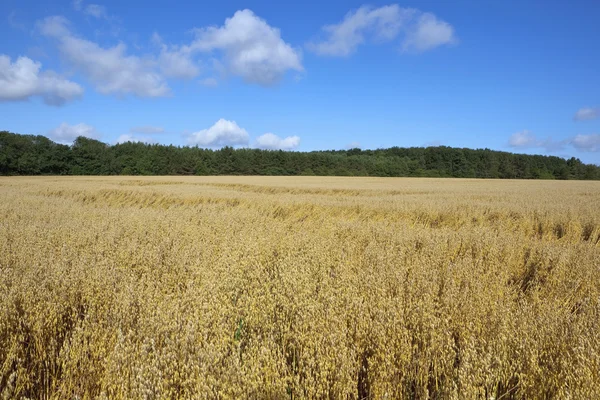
[
  {"x": 175, "y": 61},
  {"x": 95, "y": 10},
  {"x": 92, "y": 10},
  {"x": 523, "y": 139},
  {"x": 587, "y": 113},
  {"x": 111, "y": 70},
  {"x": 527, "y": 140},
  {"x": 427, "y": 33},
  {"x": 245, "y": 46},
  {"x": 14, "y": 23},
  {"x": 209, "y": 82},
  {"x": 587, "y": 143},
  {"x": 419, "y": 31}
]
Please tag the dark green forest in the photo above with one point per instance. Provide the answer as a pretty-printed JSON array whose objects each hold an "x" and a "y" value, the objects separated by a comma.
[{"x": 38, "y": 155}]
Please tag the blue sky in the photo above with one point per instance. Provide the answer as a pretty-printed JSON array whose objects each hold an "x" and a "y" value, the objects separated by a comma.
[{"x": 507, "y": 75}]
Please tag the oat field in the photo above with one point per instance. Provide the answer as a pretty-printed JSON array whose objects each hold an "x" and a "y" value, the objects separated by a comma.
[{"x": 298, "y": 288}]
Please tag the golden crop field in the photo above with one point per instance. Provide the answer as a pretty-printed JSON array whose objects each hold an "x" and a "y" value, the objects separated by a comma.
[{"x": 298, "y": 288}]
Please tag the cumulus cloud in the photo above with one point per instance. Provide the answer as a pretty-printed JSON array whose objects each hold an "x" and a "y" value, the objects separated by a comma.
[
  {"x": 251, "y": 48},
  {"x": 134, "y": 139},
  {"x": 587, "y": 113},
  {"x": 422, "y": 31},
  {"x": 111, "y": 70},
  {"x": 148, "y": 130},
  {"x": 222, "y": 133},
  {"x": 23, "y": 79},
  {"x": 587, "y": 143},
  {"x": 66, "y": 133},
  {"x": 245, "y": 46},
  {"x": 525, "y": 139},
  {"x": 271, "y": 141}
]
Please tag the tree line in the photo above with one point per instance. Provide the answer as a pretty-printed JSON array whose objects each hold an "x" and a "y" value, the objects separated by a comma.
[{"x": 38, "y": 155}]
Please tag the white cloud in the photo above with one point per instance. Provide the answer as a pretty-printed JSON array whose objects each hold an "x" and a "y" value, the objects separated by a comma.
[
  {"x": 111, "y": 70},
  {"x": 587, "y": 113},
  {"x": 55, "y": 26},
  {"x": 95, "y": 10},
  {"x": 251, "y": 48},
  {"x": 245, "y": 46},
  {"x": 428, "y": 33},
  {"x": 175, "y": 61},
  {"x": 222, "y": 133},
  {"x": 353, "y": 145},
  {"x": 423, "y": 31},
  {"x": 343, "y": 38},
  {"x": 525, "y": 139},
  {"x": 148, "y": 130},
  {"x": 209, "y": 82},
  {"x": 134, "y": 139},
  {"x": 587, "y": 142},
  {"x": 66, "y": 133},
  {"x": 23, "y": 79},
  {"x": 271, "y": 141}
]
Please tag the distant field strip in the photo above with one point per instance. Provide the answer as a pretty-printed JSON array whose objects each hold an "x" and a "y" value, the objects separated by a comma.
[{"x": 298, "y": 288}]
